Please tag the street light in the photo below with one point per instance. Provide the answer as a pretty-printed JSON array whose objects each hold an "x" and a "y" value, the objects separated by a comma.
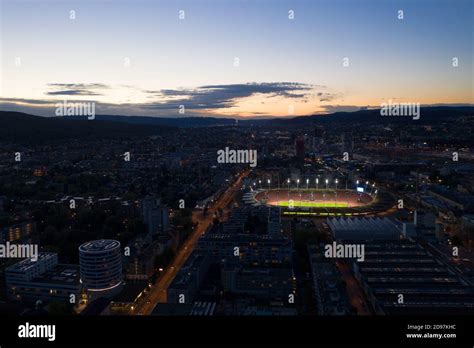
[
  {"x": 327, "y": 183},
  {"x": 336, "y": 184},
  {"x": 307, "y": 183},
  {"x": 297, "y": 183},
  {"x": 317, "y": 183},
  {"x": 268, "y": 183},
  {"x": 288, "y": 181}
]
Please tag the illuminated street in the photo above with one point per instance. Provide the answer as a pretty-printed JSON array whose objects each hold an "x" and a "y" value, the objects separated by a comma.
[{"x": 158, "y": 291}]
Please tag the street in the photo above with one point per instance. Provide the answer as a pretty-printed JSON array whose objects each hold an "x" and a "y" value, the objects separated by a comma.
[{"x": 158, "y": 292}]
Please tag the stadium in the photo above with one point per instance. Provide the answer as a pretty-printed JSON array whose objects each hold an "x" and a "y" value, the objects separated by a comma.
[{"x": 321, "y": 202}]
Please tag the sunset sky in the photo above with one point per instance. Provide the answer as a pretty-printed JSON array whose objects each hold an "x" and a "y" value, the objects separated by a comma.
[{"x": 46, "y": 57}]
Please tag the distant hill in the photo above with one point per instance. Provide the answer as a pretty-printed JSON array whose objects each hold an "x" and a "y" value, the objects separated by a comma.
[
  {"x": 427, "y": 114},
  {"x": 430, "y": 114},
  {"x": 182, "y": 122},
  {"x": 19, "y": 127}
]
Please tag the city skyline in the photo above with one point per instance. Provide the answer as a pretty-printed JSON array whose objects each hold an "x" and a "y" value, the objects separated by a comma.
[
  {"x": 286, "y": 67},
  {"x": 218, "y": 167}
]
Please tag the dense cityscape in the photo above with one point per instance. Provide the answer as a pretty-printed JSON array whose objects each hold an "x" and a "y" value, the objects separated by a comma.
[{"x": 187, "y": 235}]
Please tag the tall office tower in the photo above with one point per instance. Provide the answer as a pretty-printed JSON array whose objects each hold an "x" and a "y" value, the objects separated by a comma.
[
  {"x": 274, "y": 222},
  {"x": 100, "y": 264},
  {"x": 318, "y": 137},
  {"x": 155, "y": 215},
  {"x": 299, "y": 147}
]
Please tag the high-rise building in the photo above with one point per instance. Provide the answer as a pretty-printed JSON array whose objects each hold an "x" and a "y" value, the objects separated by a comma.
[
  {"x": 155, "y": 215},
  {"x": 300, "y": 147},
  {"x": 318, "y": 138},
  {"x": 101, "y": 267},
  {"x": 274, "y": 221}
]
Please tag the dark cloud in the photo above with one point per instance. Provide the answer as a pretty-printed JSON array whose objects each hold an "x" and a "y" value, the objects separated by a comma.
[
  {"x": 77, "y": 89},
  {"x": 225, "y": 96},
  {"x": 73, "y": 92},
  {"x": 24, "y": 101},
  {"x": 199, "y": 101}
]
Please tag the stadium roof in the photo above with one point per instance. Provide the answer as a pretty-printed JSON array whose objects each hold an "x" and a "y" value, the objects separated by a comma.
[{"x": 366, "y": 228}]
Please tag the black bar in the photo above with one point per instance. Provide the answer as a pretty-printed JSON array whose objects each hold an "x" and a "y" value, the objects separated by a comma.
[{"x": 106, "y": 330}]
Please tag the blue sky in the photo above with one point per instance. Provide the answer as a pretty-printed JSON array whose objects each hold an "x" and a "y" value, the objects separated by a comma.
[{"x": 190, "y": 62}]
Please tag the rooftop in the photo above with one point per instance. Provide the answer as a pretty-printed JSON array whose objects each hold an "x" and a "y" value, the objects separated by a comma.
[{"x": 99, "y": 245}]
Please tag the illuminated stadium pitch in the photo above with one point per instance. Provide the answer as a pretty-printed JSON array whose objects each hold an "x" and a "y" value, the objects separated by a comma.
[
  {"x": 321, "y": 202},
  {"x": 325, "y": 204},
  {"x": 307, "y": 198}
]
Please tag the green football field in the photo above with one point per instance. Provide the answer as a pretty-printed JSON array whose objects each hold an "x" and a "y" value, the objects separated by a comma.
[{"x": 314, "y": 204}]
